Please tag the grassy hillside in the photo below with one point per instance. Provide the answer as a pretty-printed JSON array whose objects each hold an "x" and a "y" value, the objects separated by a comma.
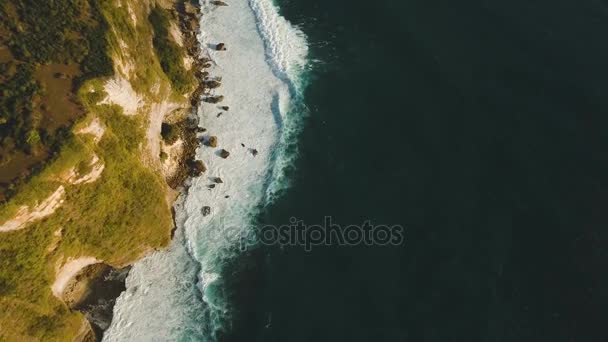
[{"x": 125, "y": 212}]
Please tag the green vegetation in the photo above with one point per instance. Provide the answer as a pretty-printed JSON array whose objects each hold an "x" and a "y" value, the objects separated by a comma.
[
  {"x": 171, "y": 56},
  {"x": 39, "y": 33},
  {"x": 170, "y": 133},
  {"x": 116, "y": 218}
]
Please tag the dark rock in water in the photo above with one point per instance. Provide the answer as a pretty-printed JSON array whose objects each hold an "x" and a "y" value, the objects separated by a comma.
[
  {"x": 197, "y": 167},
  {"x": 219, "y": 114},
  {"x": 206, "y": 210},
  {"x": 226, "y": 196},
  {"x": 253, "y": 151},
  {"x": 201, "y": 129},
  {"x": 214, "y": 99},
  {"x": 211, "y": 141},
  {"x": 211, "y": 186},
  {"x": 224, "y": 154},
  {"x": 218, "y": 180},
  {"x": 212, "y": 84},
  {"x": 206, "y": 66},
  {"x": 220, "y": 47},
  {"x": 226, "y": 108},
  {"x": 219, "y": 3},
  {"x": 242, "y": 144}
]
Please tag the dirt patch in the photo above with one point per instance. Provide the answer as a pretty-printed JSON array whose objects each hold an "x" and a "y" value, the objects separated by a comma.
[
  {"x": 94, "y": 128},
  {"x": 157, "y": 114},
  {"x": 174, "y": 154},
  {"x": 121, "y": 93},
  {"x": 25, "y": 216},
  {"x": 18, "y": 166},
  {"x": 96, "y": 169},
  {"x": 58, "y": 104},
  {"x": 176, "y": 34}
]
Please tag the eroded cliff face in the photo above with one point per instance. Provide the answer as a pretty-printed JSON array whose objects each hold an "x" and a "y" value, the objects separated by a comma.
[{"x": 105, "y": 200}]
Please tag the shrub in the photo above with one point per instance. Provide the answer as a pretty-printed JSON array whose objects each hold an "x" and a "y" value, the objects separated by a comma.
[
  {"x": 170, "y": 133},
  {"x": 170, "y": 55}
]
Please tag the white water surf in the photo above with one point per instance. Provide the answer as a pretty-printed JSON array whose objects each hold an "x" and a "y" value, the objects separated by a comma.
[{"x": 173, "y": 295}]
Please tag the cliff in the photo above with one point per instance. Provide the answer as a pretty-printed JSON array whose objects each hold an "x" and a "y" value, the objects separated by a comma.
[{"x": 103, "y": 197}]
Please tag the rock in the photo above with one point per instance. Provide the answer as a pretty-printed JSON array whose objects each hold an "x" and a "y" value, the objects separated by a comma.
[
  {"x": 201, "y": 129},
  {"x": 212, "y": 84},
  {"x": 197, "y": 167},
  {"x": 206, "y": 210},
  {"x": 219, "y": 3},
  {"x": 224, "y": 154},
  {"x": 211, "y": 141},
  {"x": 218, "y": 180},
  {"x": 226, "y": 196},
  {"x": 242, "y": 144},
  {"x": 190, "y": 8},
  {"x": 253, "y": 151},
  {"x": 219, "y": 114},
  {"x": 220, "y": 47},
  {"x": 226, "y": 108},
  {"x": 211, "y": 186},
  {"x": 214, "y": 99}
]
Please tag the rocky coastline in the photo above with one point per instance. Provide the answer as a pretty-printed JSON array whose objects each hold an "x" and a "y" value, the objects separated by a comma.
[{"x": 94, "y": 290}]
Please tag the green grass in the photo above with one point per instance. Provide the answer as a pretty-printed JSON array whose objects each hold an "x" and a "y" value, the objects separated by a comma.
[
  {"x": 116, "y": 218},
  {"x": 171, "y": 56},
  {"x": 39, "y": 33}
]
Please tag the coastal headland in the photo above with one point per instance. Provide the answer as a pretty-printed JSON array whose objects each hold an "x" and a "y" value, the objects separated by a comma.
[{"x": 111, "y": 140}]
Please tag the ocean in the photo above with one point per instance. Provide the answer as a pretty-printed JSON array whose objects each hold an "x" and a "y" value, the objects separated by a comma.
[{"x": 478, "y": 126}]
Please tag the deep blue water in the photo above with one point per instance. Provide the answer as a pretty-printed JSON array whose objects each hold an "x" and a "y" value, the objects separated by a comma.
[{"x": 481, "y": 126}]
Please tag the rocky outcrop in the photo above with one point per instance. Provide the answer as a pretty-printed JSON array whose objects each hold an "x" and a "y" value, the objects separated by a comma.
[
  {"x": 93, "y": 291},
  {"x": 197, "y": 167},
  {"x": 214, "y": 99},
  {"x": 224, "y": 154},
  {"x": 212, "y": 84},
  {"x": 211, "y": 141}
]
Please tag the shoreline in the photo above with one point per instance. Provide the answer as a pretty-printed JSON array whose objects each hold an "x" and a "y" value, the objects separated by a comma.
[
  {"x": 93, "y": 289},
  {"x": 182, "y": 290}
]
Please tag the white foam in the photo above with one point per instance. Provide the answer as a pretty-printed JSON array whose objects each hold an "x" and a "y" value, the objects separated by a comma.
[{"x": 264, "y": 55}]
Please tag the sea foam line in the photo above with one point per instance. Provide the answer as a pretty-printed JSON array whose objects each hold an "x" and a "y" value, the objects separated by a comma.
[{"x": 262, "y": 83}]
